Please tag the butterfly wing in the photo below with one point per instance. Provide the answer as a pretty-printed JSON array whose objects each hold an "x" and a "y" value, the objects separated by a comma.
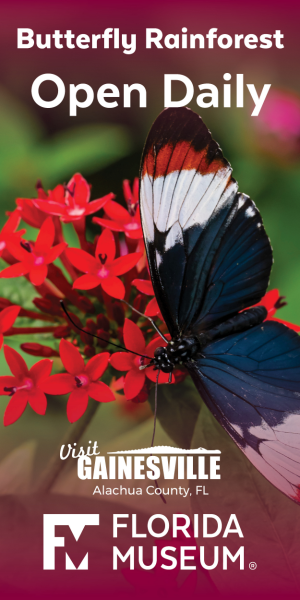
[
  {"x": 208, "y": 252},
  {"x": 251, "y": 383}
]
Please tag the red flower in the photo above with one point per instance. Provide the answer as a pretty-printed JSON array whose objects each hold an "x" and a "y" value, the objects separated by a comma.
[
  {"x": 7, "y": 319},
  {"x": 25, "y": 386},
  {"x": 120, "y": 219},
  {"x": 272, "y": 302},
  {"x": 71, "y": 203},
  {"x": 104, "y": 268},
  {"x": 35, "y": 258},
  {"x": 81, "y": 380},
  {"x": 125, "y": 361},
  {"x": 8, "y": 231},
  {"x": 145, "y": 287}
]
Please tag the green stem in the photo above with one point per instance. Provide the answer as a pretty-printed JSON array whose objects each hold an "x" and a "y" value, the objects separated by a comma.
[{"x": 74, "y": 433}]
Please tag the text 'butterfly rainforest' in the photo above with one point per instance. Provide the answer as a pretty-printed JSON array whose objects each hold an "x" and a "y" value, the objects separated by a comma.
[{"x": 210, "y": 259}]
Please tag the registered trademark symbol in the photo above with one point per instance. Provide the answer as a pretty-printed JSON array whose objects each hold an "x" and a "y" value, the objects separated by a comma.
[{"x": 252, "y": 566}]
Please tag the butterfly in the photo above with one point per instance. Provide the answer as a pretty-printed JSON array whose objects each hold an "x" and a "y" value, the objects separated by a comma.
[{"x": 210, "y": 260}]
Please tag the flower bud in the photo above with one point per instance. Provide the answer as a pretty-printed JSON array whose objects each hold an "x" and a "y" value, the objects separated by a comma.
[
  {"x": 89, "y": 351},
  {"x": 139, "y": 303},
  {"x": 91, "y": 325},
  {"x": 35, "y": 349},
  {"x": 103, "y": 334},
  {"x": 119, "y": 313},
  {"x": 103, "y": 322},
  {"x": 86, "y": 338},
  {"x": 62, "y": 331}
]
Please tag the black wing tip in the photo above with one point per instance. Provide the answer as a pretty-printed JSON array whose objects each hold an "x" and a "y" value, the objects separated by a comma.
[{"x": 176, "y": 124}]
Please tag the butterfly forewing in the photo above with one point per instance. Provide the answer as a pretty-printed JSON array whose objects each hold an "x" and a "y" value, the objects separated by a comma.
[{"x": 189, "y": 202}]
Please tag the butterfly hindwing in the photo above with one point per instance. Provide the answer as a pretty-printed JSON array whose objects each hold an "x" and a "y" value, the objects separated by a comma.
[
  {"x": 191, "y": 213},
  {"x": 251, "y": 383}
]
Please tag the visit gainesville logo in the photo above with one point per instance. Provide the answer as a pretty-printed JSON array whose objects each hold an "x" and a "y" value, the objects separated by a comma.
[{"x": 154, "y": 463}]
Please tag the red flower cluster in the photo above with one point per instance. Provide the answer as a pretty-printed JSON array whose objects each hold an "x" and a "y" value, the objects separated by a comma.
[{"x": 92, "y": 279}]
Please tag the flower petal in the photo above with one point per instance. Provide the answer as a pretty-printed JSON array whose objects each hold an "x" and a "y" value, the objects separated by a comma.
[
  {"x": 270, "y": 299},
  {"x": 157, "y": 342},
  {"x": 144, "y": 286},
  {"x": 113, "y": 287},
  {"x": 15, "y": 362},
  {"x": 134, "y": 382},
  {"x": 15, "y": 407},
  {"x": 81, "y": 260},
  {"x": 97, "y": 365},
  {"x": 12, "y": 223},
  {"x": 55, "y": 252},
  {"x": 124, "y": 263},
  {"x": 113, "y": 225},
  {"x": 78, "y": 191},
  {"x": 116, "y": 212},
  {"x": 13, "y": 245},
  {"x": 106, "y": 246},
  {"x": 134, "y": 234},
  {"x": 59, "y": 384},
  {"x": 77, "y": 404},
  {"x": 122, "y": 361},
  {"x": 6, "y": 381},
  {"x": 45, "y": 238},
  {"x": 16, "y": 270},
  {"x": 38, "y": 274},
  {"x": 86, "y": 282},
  {"x": 41, "y": 370},
  {"x": 8, "y": 317},
  {"x": 71, "y": 358},
  {"x": 133, "y": 337},
  {"x": 163, "y": 377},
  {"x": 101, "y": 392},
  {"x": 152, "y": 309},
  {"x": 58, "y": 194},
  {"x": 37, "y": 401},
  {"x": 96, "y": 205},
  {"x": 49, "y": 207}
]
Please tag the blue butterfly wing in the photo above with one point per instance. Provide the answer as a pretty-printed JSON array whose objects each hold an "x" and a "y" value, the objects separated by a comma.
[
  {"x": 208, "y": 252},
  {"x": 239, "y": 274},
  {"x": 251, "y": 383}
]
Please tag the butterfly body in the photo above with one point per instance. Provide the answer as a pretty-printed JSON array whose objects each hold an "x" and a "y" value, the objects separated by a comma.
[
  {"x": 210, "y": 260},
  {"x": 186, "y": 349}
]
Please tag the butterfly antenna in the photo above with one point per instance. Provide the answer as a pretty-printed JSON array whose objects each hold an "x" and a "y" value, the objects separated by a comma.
[
  {"x": 97, "y": 336},
  {"x": 148, "y": 318},
  {"x": 154, "y": 427}
]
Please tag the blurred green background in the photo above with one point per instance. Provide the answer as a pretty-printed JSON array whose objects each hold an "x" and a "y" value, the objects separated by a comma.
[{"x": 106, "y": 145}]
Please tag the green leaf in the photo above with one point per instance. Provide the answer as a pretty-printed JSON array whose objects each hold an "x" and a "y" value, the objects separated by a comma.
[
  {"x": 86, "y": 149},
  {"x": 28, "y": 154},
  {"x": 178, "y": 407},
  {"x": 19, "y": 127},
  {"x": 269, "y": 520}
]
